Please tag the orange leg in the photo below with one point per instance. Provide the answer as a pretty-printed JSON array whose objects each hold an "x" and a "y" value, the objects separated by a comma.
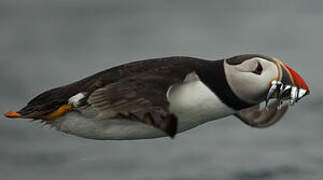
[{"x": 59, "y": 112}]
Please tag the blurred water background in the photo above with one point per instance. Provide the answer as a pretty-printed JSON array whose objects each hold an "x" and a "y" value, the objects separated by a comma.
[{"x": 44, "y": 44}]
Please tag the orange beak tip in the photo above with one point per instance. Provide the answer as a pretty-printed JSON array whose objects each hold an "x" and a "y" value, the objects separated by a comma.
[
  {"x": 12, "y": 114},
  {"x": 298, "y": 80}
]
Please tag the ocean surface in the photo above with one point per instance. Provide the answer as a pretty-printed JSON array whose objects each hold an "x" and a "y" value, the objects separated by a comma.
[{"x": 44, "y": 44}]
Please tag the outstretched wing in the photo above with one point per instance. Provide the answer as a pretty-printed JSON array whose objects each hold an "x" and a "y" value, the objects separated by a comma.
[
  {"x": 262, "y": 118},
  {"x": 140, "y": 98}
]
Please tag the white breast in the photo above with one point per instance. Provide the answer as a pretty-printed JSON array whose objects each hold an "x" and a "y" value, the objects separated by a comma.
[{"x": 192, "y": 102}]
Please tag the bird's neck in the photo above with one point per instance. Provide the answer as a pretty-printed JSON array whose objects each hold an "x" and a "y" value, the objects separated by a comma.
[{"x": 212, "y": 74}]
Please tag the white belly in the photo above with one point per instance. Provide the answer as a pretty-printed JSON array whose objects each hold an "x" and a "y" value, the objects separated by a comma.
[{"x": 192, "y": 102}]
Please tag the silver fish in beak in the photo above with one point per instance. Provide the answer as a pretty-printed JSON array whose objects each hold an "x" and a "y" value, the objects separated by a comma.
[
  {"x": 285, "y": 92},
  {"x": 290, "y": 86}
]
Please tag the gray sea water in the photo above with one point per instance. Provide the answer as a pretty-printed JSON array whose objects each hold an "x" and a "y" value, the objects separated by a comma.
[{"x": 44, "y": 44}]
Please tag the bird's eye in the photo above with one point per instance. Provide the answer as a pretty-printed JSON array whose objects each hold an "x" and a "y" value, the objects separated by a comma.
[{"x": 258, "y": 69}]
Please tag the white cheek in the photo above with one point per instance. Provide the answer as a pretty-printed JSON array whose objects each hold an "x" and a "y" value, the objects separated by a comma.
[
  {"x": 270, "y": 72},
  {"x": 250, "y": 87}
]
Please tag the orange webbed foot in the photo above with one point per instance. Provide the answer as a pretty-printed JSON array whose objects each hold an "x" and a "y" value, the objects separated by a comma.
[{"x": 12, "y": 114}]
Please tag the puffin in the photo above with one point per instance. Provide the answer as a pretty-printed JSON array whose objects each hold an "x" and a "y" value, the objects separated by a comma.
[{"x": 162, "y": 97}]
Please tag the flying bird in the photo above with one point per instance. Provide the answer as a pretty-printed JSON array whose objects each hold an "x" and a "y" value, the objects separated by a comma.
[{"x": 164, "y": 96}]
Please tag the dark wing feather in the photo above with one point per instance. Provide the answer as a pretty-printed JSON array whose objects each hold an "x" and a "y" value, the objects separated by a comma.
[
  {"x": 50, "y": 100},
  {"x": 140, "y": 98}
]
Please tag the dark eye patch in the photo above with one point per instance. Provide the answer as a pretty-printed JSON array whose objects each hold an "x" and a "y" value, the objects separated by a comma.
[{"x": 258, "y": 69}]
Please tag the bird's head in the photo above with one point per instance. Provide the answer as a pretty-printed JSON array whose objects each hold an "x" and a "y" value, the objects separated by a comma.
[{"x": 255, "y": 78}]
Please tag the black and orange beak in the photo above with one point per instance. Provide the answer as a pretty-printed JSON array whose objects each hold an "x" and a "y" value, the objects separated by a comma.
[
  {"x": 294, "y": 78},
  {"x": 289, "y": 85}
]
